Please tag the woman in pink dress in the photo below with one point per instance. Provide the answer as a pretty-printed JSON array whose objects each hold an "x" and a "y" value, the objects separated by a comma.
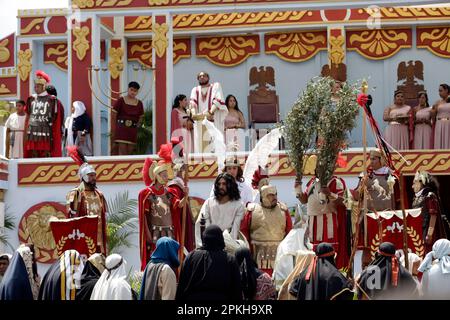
[
  {"x": 398, "y": 116},
  {"x": 422, "y": 123},
  {"x": 180, "y": 123},
  {"x": 441, "y": 115},
  {"x": 234, "y": 125}
]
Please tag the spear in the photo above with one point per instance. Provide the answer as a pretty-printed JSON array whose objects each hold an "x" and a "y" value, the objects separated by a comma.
[
  {"x": 362, "y": 206},
  {"x": 405, "y": 226},
  {"x": 183, "y": 214}
]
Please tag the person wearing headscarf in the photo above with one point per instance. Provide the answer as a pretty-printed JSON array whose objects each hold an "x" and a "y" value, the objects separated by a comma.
[
  {"x": 62, "y": 280},
  {"x": 5, "y": 259},
  {"x": 21, "y": 280},
  {"x": 385, "y": 278},
  {"x": 209, "y": 273},
  {"x": 256, "y": 284},
  {"x": 77, "y": 127},
  {"x": 427, "y": 199},
  {"x": 321, "y": 280},
  {"x": 159, "y": 281},
  {"x": 112, "y": 284},
  {"x": 92, "y": 271},
  {"x": 436, "y": 271}
]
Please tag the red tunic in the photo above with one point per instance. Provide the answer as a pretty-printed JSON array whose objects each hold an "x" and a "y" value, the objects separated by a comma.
[
  {"x": 127, "y": 119},
  {"x": 58, "y": 131},
  {"x": 146, "y": 248}
]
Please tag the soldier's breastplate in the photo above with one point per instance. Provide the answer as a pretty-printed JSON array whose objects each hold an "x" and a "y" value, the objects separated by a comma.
[
  {"x": 380, "y": 200},
  {"x": 160, "y": 214},
  {"x": 41, "y": 112},
  {"x": 267, "y": 225}
]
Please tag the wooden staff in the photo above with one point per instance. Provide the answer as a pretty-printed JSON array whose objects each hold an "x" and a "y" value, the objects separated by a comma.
[
  {"x": 184, "y": 211},
  {"x": 405, "y": 226},
  {"x": 362, "y": 205}
]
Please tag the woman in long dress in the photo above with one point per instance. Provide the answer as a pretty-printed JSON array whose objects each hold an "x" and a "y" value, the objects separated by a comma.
[
  {"x": 398, "y": 115},
  {"x": 423, "y": 132},
  {"x": 234, "y": 125},
  {"x": 77, "y": 129},
  {"x": 441, "y": 115},
  {"x": 181, "y": 124}
]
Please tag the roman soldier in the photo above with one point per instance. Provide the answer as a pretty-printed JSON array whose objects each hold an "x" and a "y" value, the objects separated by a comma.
[
  {"x": 265, "y": 225},
  {"x": 260, "y": 178},
  {"x": 86, "y": 199},
  {"x": 42, "y": 113},
  {"x": 158, "y": 207},
  {"x": 426, "y": 197}
]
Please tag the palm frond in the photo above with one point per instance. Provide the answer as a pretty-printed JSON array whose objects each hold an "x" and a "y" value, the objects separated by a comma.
[
  {"x": 121, "y": 221},
  {"x": 9, "y": 224}
]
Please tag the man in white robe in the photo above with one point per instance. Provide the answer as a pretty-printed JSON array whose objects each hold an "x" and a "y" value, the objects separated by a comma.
[
  {"x": 224, "y": 209},
  {"x": 16, "y": 127},
  {"x": 112, "y": 284},
  {"x": 207, "y": 99}
]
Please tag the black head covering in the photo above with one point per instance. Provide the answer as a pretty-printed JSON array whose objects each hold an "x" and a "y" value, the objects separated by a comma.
[
  {"x": 321, "y": 280},
  {"x": 209, "y": 273},
  {"x": 16, "y": 284},
  {"x": 386, "y": 278},
  {"x": 88, "y": 279},
  {"x": 249, "y": 272},
  {"x": 213, "y": 238}
]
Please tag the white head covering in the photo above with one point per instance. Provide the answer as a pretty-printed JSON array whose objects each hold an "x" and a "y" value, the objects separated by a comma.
[
  {"x": 80, "y": 108},
  {"x": 112, "y": 284},
  {"x": 441, "y": 252}
]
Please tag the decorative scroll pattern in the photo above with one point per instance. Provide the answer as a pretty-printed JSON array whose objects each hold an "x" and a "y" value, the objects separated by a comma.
[
  {"x": 34, "y": 228},
  {"x": 89, "y": 4},
  {"x": 160, "y": 41},
  {"x": 378, "y": 44},
  {"x": 138, "y": 24},
  {"x": 115, "y": 64},
  {"x": 436, "y": 40},
  {"x": 204, "y": 21},
  {"x": 181, "y": 49},
  {"x": 409, "y": 12},
  {"x": 81, "y": 44},
  {"x": 295, "y": 46},
  {"x": 141, "y": 51},
  {"x": 56, "y": 54},
  {"x": 435, "y": 162},
  {"x": 337, "y": 51},
  {"x": 24, "y": 63},
  {"x": 8, "y": 86},
  {"x": 44, "y": 25},
  {"x": 7, "y": 51},
  {"x": 227, "y": 51}
]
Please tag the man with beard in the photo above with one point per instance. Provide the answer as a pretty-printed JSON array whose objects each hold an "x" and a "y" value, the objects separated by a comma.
[
  {"x": 86, "y": 199},
  {"x": 265, "y": 225},
  {"x": 224, "y": 209},
  {"x": 207, "y": 100},
  {"x": 426, "y": 197}
]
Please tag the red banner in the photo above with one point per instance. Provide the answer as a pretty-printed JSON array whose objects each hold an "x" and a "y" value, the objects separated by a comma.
[
  {"x": 77, "y": 233},
  {"x": 389, "y": 228}
]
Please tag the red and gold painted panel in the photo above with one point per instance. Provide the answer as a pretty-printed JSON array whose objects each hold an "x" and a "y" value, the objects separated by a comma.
[
  {"x": 108, "y": 22},
  {"x": 435, "y": 39},
  {"x": 40, "y": 26},
  {"x": 56, "y": 54},
  {"x": 3, "y": 170},
  {"x": 102, "y": 50},
  {"x": 120, "y": 171},
  {"x": 141, "y": 50},
  {"x": 24, "y": 66},
  {"x": 227, "y": 51},
  {"x": 34, "y": 227},
  {"x": 295, "y": 46},
  {"x": 378, "y": 44},
  {"x": 7, "y": 51},
  {"x": 8, "y": 86},
  {"x": 181, "y": 49},
  {"x": 138, "y": 24}
]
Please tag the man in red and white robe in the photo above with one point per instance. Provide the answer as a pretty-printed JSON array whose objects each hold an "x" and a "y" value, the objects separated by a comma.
[{"x": 207, "y": 99}]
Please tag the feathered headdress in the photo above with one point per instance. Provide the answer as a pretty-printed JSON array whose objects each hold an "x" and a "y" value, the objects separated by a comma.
[
  {"x": 152, "y": 167},
  {"x": 258, "y": 176},
  {"x": 42, "y": 78},
  {"x": 85, "y": 168}
]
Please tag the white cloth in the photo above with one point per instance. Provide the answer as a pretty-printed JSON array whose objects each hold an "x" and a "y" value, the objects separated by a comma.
[
  {"x": 112, "y": 284},
  {"x": 441, "y": 252},
  {"x": 16, "y": 124},
  {"x": 167, "y": 283},
  {"x": 245, "y": 191},
  {"x": 227, "y": 216},
  {"x": 72, "y": 268},
  {"x": 213, "y": 101},
  {"x": 80, "y": 109}
]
